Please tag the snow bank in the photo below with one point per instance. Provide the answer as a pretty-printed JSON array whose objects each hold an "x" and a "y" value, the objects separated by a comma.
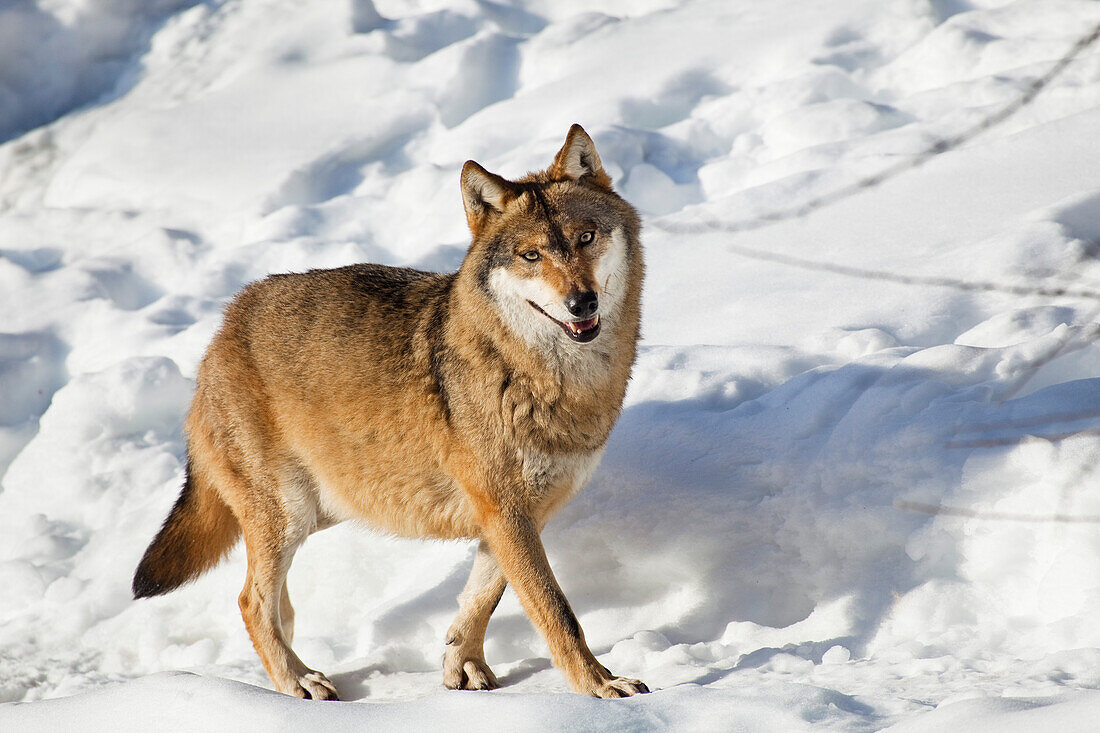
[
  {"x": 191, "y": 704},
  {"x": 182, "y": 702},
  {"x": 829, "y": 502},
  {"x": 56, "y": 57}
]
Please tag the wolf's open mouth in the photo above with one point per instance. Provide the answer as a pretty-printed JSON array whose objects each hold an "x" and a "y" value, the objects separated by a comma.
[{"x": 580, "y": 331}]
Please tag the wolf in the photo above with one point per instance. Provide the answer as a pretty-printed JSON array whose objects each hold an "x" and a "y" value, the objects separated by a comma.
[{"x": 473, "y": 405}]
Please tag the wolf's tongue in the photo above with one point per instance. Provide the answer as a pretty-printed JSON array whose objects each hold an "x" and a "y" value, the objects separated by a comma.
[{"x": 581, "y": 326}]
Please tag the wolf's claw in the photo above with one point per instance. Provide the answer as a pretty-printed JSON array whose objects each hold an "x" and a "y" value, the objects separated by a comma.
[
  {"x": 620, "y": 687},
  {"x": 473, "y": 674},
  {"x": 315, "y": 686}
]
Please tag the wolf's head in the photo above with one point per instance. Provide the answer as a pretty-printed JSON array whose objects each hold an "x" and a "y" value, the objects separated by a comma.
[{"x": 557, "y": 251}]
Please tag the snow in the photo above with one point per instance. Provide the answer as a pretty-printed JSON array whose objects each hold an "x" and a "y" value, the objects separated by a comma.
[{"x": 830, "y": 502}]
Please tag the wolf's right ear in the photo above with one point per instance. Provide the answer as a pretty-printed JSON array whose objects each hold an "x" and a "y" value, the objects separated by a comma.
[{"x": 484, "y": 194}]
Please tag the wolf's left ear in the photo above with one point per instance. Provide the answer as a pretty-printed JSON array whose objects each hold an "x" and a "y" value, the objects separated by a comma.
[{"x": 578, "y": 160}]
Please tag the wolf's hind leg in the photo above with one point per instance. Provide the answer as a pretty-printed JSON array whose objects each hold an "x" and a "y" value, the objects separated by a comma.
[
  {"x": 272, "y": 535},
  {"x": 464, "y": 666},
  {"x": 261, "y": 601}
]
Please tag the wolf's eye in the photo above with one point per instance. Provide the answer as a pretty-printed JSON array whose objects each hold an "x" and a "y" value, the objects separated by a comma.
[
  {"x": 530, "y": 256},
  {"x": 587, "y": 238}
]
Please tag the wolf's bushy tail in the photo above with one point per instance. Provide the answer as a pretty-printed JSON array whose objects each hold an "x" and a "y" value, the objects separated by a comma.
[{"x": 197, "y": 534}]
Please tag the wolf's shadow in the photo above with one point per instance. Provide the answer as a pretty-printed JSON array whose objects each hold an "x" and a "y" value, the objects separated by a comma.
[{"x": 714, "y": 510}]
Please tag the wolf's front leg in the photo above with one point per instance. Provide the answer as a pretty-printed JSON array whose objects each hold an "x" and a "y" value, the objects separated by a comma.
[
  {"x": 464, "y": 666},
  {"x": 516, "y": 544}
]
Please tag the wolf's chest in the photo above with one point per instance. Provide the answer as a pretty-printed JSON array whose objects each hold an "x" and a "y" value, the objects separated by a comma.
[{"x": 553, "y": 479}]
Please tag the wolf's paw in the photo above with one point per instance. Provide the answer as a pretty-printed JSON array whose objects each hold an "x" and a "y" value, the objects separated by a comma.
[
  {"x": 469, "y": 674},
  {"x": 313, "y": 686},
  {"x": 619, "y": 687}
]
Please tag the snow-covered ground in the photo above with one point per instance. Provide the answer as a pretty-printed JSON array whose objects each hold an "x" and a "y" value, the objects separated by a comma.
[{"x": 836, "y": 502}]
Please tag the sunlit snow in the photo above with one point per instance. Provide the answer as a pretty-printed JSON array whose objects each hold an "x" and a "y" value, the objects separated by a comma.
[{"x": 831, "y": 502}]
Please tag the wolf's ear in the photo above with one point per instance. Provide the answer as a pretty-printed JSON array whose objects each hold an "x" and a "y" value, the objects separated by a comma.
[
  {"x": 483, "y": 194},
  {"x": 579, "y": 160}
]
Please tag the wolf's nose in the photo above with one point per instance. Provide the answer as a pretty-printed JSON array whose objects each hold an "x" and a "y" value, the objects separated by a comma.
[{"x": 582, "y": 305}]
